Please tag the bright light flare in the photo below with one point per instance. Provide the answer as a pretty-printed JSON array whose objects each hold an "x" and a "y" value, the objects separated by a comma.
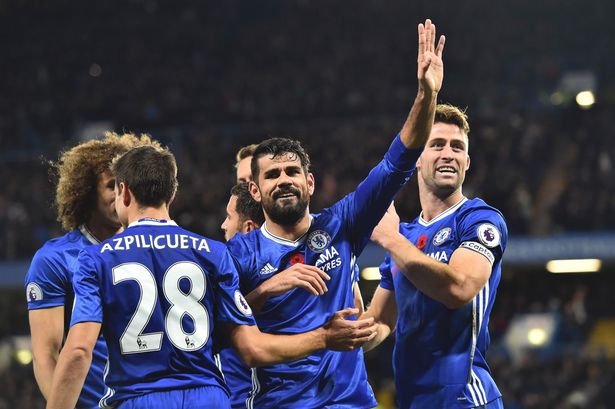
[
  {"x": 370, "y": 274},
  {"x": 585, "y": 265},
  {"x": 585, "y": 99}
]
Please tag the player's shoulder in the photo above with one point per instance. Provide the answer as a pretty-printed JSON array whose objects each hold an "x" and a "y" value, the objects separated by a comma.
[
  {"x": 477, "y": 209},
  {"x": 56, "y": 247},
  {"x": 57, "y": 244},
  {"x": 213, "y": 244},
  {"x": 241, "y": 243}
]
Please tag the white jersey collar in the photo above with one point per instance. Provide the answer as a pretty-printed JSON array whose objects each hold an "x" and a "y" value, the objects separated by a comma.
[
  {"x": 442, "y": 215},
  {"x": 88, "y": 234},
  {"x": 150, "y": 221},
  {"x": 286, "y": 242}
]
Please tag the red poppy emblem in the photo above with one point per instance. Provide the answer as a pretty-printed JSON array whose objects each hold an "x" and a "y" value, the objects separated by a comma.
[
  {"x": 296, "y": 258},
  {"x": 421, "y": 242}
]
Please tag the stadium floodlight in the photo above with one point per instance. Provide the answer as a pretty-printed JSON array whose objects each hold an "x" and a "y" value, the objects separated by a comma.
[
  {"x": 537, "y": 336},
  {"x": 370, "y": 273},
  {"x": 23, "y": 356},
  {"x": 585, "y": 265},
  {"x": 585, "y": 99}
]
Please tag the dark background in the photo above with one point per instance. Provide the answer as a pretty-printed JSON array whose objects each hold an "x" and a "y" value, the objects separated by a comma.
[{"x": 208, "y": 77}]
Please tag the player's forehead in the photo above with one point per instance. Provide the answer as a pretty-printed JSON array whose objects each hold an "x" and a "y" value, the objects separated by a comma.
[
  {"x": 441, "y": 130},
  {"x": 105, "y": 177},
  {"x": 244, "y": 173},
  {"x": 281, "y": 161},
  {"x": 231, "y": 206}
]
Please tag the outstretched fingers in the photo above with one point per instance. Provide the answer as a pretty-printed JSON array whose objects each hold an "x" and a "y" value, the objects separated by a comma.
[
  {"x": 422, "y": 42},
  {"x": 440, "y": 48}
]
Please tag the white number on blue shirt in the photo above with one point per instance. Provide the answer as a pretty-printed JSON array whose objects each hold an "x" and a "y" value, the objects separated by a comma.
[{"x": 133, "y": 340}]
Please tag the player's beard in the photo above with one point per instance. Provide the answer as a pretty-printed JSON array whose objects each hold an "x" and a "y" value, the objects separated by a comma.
[{"x": 290, "y": 214}]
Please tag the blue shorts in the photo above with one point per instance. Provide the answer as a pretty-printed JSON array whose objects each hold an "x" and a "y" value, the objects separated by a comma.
[
  {"x": 494, "y": 404},
  {"x": 206, "y": 397}
]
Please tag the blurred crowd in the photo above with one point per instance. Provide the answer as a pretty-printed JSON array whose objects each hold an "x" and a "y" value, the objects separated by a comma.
[{"x": 207, "y": 78}]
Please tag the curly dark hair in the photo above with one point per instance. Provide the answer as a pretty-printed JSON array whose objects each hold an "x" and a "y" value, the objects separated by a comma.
[{"x": 79, "y": 168}]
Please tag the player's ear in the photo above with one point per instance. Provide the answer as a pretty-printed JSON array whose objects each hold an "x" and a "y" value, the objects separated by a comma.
[
  {"x": 247, "y": 226},
  {"x": 311, "y": 183},
  {"x": 254, "y": 191},
  {"x": 171, "y": 200},
  {"x": 125, "y": 194},
  {"x": 467, "y": 162},
  {"x": 418, "y": 163}
]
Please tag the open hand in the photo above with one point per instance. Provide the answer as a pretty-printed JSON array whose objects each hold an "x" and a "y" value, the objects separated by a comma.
[{"x": 430, "y": 71}]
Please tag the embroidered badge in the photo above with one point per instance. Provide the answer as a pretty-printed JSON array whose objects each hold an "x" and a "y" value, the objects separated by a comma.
[
  {"x": 488, "y": 234},
  {"x": 242, "y": 304},
  {"x": 441, "y": 236},
  {"x": 33, "y": 292},
  {"x": 318, "y": 240}
]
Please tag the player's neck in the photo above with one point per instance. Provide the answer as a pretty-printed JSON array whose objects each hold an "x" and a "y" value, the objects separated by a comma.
[
  {"x": 433, "y": 205},
  {"x": 286, "y": 232},
  {"x": 101, "y": 229},
  {"x": 138, "y": 213}
]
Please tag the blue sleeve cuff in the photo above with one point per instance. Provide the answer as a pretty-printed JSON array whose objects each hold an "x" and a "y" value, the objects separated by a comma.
[{"x": 400, "y": 157}]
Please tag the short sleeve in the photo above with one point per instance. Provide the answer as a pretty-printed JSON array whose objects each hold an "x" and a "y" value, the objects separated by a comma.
[
  {"x": 242, "y": 258},
  {"x": 231, "y": 305},
  {"x": 46, "y": 282},
  {"x": 386, "y": 275},
  {"x": 484, "y": 231},
  {"x": 88, "y": 298}
]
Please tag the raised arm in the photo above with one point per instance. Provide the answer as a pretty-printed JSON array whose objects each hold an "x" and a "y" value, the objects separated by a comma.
[
  {"x": 430, "y": 73},
  {"x": 259, "y": 349}
]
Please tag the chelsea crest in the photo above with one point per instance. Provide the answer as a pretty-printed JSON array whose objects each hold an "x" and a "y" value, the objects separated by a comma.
[{"x": 318, "y": 240}]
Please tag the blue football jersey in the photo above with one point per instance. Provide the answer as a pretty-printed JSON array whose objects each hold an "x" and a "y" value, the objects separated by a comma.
[
  {"x": 238, "y": 375},
  {"x": 439, "y": 356},
  {"x": 157, "y": 290},
  {"x": 335, "y": 237},
  {"x": 49, "y": 284}
]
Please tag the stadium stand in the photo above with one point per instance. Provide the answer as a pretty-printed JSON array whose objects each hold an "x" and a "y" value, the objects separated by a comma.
[{"x": 209, "y": 77}]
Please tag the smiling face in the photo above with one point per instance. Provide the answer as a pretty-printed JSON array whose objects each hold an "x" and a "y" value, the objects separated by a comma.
[
  {"x": 283, "y": 188},
  {"x": 443, "y": 164}
]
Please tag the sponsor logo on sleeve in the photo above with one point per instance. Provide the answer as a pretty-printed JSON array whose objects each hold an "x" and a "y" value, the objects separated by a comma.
[
  {"x": 442, "y": 236},
  {"x": 479, "y": 248},
  {"x": 488, "y": 234},
  {"x": 318, "y": 240},
  {"x": 242, "y": 304},
  {"x": 33, "y": 292}
]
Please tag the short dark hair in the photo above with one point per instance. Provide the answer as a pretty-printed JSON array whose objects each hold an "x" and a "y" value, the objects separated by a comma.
[
  {"x": 277, "y": 147},
  {"x": 150, "y": 173},
  {"x": 247, "y": 207}
]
